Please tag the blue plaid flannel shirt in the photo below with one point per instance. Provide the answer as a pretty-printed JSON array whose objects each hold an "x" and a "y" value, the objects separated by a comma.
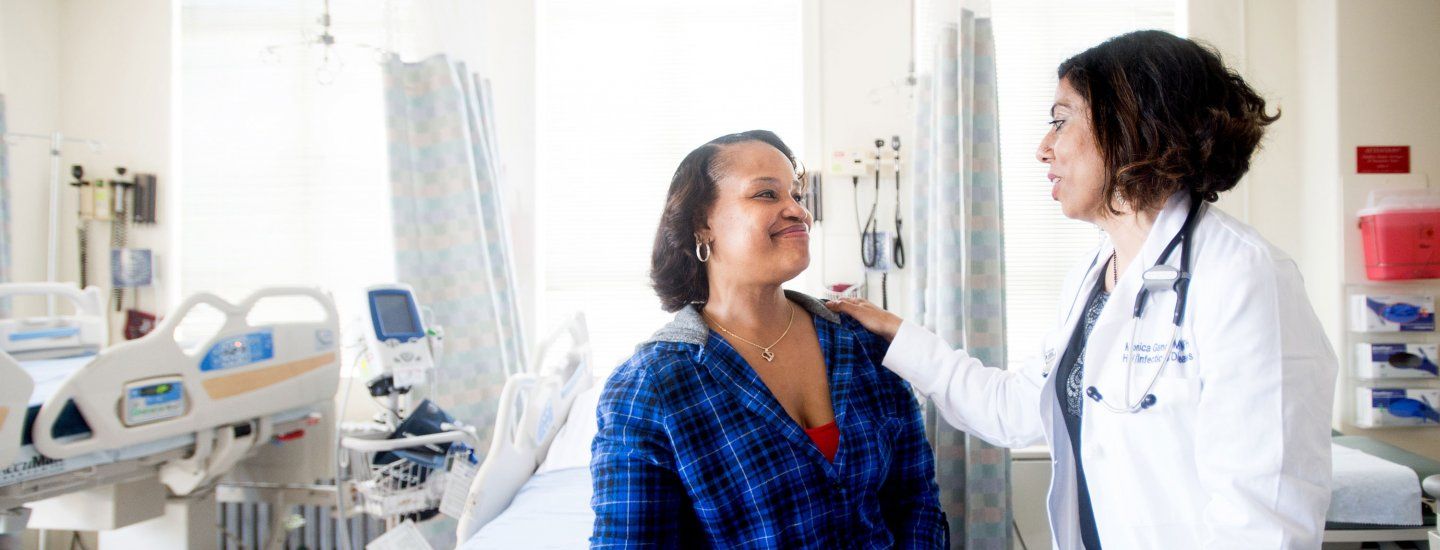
[{"x": 693, "y": 450}]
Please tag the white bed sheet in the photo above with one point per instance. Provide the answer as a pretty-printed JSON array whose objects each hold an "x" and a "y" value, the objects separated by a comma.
[
  {"x": 1370, "y": 490},
  {"x": 48, "y": 374},
  {"x": 571, "y": 447},
  {"x": 552, "y": 510}
]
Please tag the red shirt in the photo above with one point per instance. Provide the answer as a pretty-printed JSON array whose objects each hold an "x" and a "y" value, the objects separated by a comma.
[{"x": 826, "y": 438}]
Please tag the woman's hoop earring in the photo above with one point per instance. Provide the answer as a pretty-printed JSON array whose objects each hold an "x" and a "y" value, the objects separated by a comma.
[{"x": 702, "y": 257}]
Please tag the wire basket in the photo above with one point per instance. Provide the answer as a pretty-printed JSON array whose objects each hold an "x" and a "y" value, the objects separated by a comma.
[{"x": 393, "y": 489}]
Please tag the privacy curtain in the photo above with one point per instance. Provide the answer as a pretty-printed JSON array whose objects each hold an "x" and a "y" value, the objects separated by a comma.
[
  {"x": 450, "y": 234},
  {"x": 4, "y": 206},
  {"x": 959, "y": 280}
]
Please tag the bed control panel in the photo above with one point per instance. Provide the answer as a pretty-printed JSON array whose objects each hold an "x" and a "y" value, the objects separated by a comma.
[{"x": 153, "y": 400}]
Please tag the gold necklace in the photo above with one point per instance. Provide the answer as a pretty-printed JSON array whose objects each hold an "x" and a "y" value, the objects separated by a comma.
[{"x": 764, "y": 350}]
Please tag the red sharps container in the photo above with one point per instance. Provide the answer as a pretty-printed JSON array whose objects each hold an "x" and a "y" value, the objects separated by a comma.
[{"x": 1401, "y": 234}]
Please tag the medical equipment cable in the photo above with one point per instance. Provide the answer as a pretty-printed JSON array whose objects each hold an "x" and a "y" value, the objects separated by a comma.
[
  {"x": 885, "y": 291},
  {"x": 897, "y": 258},
  {"x": 1019, "y": 536},
  {"x": 82, "y": 226},
  {"x": 871, "y": 227},
  {"x": 118, "y": 229},
  {"x": 341, "y": 524}
]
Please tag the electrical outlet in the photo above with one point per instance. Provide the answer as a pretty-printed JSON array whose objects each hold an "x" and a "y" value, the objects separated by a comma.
[{"x": 860, "y": 162}]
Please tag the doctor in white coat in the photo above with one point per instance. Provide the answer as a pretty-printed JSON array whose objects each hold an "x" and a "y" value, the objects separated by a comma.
[{"x": 1214, "y": 434}]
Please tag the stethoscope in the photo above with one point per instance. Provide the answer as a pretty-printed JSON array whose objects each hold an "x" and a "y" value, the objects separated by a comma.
[{"x": 1158, "y": 278}]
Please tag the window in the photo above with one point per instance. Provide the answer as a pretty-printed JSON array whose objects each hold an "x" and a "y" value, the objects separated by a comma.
[
  {"x": 284, "y": 179},
  {"x": 625, "y": 90},
  {"x": 1032, "y": 37}
]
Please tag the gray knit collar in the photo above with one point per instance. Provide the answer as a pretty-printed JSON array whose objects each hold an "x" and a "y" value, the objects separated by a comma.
[{"x": 689, "y": 326}]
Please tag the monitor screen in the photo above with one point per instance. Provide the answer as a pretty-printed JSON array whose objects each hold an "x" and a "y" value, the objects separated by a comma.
[{"x": 395, "y": 315}]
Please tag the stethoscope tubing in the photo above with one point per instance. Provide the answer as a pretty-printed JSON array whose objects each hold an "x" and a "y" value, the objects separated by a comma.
[{"x": 1181, "y": 287}]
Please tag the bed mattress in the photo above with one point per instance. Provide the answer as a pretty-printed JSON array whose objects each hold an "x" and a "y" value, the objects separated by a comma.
[{"x": 552, "y": 510}]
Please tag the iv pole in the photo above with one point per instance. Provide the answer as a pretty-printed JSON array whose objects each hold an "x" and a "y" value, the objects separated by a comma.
[{"x": 56, "y": 140}]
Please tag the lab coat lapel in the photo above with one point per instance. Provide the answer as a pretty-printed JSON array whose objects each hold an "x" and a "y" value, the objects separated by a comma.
[
  {"x": 1059, "y": 341},
  {"x": 1104, "y": 352}
]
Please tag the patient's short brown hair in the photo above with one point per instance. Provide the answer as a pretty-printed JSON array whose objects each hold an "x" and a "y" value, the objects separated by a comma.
[{"x": 678, "y": 276}]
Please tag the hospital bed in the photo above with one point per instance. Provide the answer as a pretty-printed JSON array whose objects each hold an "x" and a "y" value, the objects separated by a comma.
[
  {"x": 533, "y": 489},
  {"x": 151, "y": 417}
]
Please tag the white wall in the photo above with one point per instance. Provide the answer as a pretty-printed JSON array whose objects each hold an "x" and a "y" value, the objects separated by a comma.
[
  {"x": 1387, "y": 51},
  {"x": 116, "y": 87},
  {"x": 90, "y": 69},
  {"x": 859, "y": 54},
  {"x": 30, "y": 82},
  {"x": 1345, "y": 73}
]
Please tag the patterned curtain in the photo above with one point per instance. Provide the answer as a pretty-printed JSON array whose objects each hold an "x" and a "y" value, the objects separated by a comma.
[
  {"x": 959, "y": 279},
  {"x": 4, "y": 207},
  {"x": 450, "y": 235}
]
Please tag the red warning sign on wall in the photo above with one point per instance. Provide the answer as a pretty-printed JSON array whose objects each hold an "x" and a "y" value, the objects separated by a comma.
[{"x": 1385, "y": 159}]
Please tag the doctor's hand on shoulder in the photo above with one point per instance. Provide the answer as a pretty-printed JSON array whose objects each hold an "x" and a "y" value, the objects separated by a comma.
[{"x": 883, "y": 323}]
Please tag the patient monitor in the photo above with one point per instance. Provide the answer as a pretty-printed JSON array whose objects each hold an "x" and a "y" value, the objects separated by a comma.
[{"x": 397, "y": 339}]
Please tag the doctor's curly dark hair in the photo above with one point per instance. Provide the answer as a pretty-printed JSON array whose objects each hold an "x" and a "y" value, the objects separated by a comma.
[
  {"x": 679, "y": 278},
  {"x": 1167, "y": 115}
]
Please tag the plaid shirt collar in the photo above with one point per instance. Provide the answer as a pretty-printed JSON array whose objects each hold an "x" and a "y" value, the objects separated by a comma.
[{"x": 726, "y": 364}]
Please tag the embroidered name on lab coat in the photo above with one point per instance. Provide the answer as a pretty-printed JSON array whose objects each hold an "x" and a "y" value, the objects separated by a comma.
[{"x": 1154, "y": 353}]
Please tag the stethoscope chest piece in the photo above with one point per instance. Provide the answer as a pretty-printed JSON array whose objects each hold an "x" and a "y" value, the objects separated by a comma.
[{"x": 1145, "y": 402}]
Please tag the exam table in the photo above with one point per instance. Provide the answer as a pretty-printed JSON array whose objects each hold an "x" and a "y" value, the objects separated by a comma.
[{"x": 1424, "y": 468}]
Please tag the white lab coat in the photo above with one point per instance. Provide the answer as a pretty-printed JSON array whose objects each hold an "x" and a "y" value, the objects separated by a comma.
[{"x": 1235, "y": 453}]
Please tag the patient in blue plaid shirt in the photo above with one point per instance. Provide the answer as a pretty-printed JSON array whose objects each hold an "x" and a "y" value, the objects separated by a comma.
[{"x": 757, "y": 418}]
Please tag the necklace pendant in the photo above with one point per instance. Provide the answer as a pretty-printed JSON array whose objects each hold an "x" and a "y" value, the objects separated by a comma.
[{"x": 769, "y": 357}]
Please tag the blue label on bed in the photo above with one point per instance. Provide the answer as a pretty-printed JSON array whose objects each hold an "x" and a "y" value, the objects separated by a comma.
[{"x": 238, "y": 351}]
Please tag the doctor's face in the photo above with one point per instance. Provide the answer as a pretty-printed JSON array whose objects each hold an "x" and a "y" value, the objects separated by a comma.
[
  {"x": 1076, "y": 168},
  {"x": 757, "y": 229}
]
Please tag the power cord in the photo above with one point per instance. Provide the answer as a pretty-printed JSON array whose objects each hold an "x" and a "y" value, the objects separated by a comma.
[{"x": 898, "y": 257}]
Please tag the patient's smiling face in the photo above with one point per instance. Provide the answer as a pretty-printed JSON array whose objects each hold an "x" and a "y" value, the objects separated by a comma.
[{"x": 758, "y": 230}]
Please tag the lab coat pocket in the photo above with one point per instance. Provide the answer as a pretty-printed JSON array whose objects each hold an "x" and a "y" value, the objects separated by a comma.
[
  {"x": 1175, "y": 400},
  {"x": 1159, "y": 447}
]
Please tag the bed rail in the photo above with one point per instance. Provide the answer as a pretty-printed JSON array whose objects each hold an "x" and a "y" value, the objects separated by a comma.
[
  {"x": 533, "y": 406},
  {"x": 152, "y": 388}
]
